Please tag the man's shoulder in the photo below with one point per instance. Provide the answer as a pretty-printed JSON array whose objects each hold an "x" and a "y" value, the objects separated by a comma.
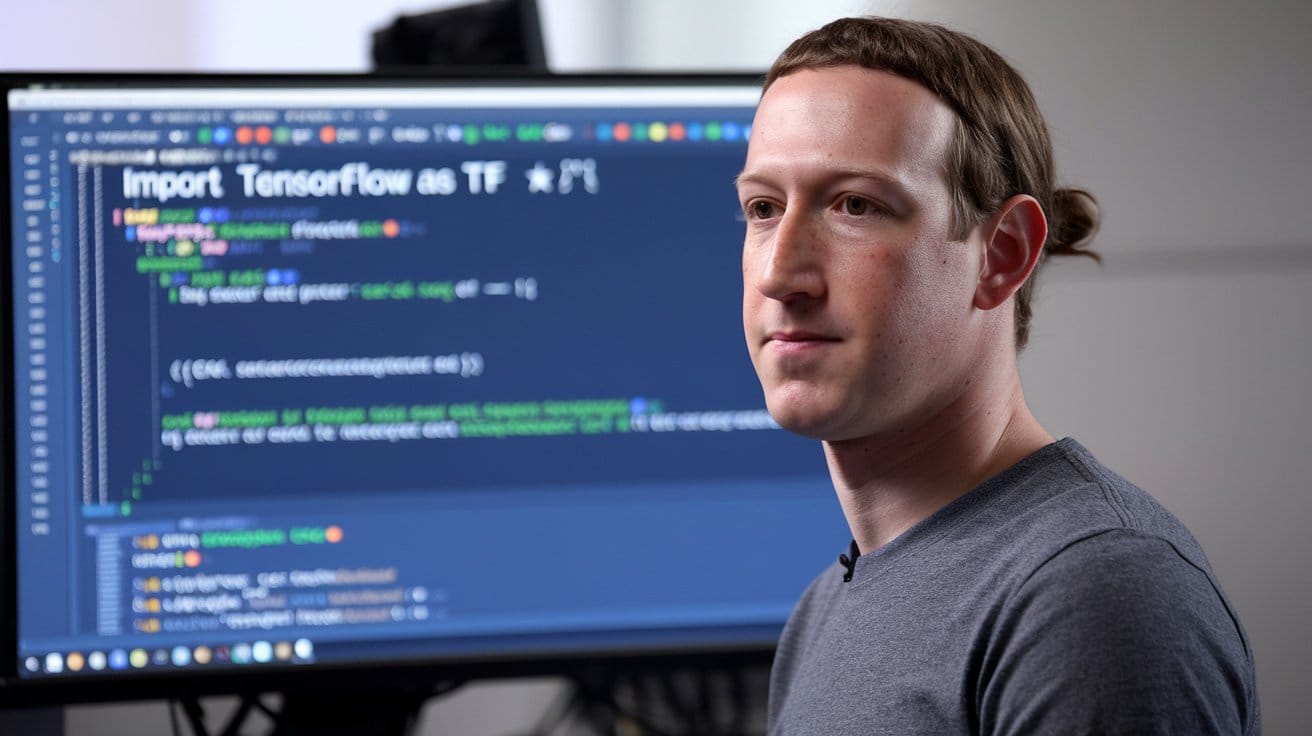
[
  {"x": 1004, "y": 531},
  {"x": 1014, "y": 524},
  {"x": 1063, "y": 497},
  {"x": 1037, "y": 593},
  {"x": 1128, "y": 620}
]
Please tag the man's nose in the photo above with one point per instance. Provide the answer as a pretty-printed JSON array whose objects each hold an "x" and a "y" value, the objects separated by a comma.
[{"x": 792, "y": 262}]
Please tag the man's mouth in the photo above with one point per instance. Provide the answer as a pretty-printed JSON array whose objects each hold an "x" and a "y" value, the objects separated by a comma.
[
  {"x": 799, "y": 336},
  {"x": 798, "y": 341}
]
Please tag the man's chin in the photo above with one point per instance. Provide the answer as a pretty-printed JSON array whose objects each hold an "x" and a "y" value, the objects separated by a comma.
[{"x": 806, "y": 422}]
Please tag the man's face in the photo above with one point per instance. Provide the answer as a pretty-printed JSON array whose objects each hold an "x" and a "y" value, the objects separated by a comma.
[{"x": 857, "y": 304}]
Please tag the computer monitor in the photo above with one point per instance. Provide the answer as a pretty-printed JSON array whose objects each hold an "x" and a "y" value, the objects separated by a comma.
[{"x": 366, "y": 375}]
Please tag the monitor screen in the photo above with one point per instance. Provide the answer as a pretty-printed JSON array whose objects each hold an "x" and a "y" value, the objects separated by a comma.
[{"x": 332, "y": 372}]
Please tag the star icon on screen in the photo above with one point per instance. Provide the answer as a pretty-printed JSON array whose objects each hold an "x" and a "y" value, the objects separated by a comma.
[{"x": 539, "y": 178}]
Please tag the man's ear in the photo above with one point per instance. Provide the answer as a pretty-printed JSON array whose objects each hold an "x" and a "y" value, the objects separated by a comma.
[{"x": 1013, "y": 243}]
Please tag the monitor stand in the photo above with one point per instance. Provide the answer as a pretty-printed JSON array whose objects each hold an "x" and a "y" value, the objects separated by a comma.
[{"x": 331, "y": 713}]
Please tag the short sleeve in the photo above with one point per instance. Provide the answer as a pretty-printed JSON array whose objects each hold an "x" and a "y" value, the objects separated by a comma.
[{"x": 1117, "y": 633}]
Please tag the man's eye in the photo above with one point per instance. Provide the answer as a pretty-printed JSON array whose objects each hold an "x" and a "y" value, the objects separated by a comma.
[
  {"x": 760, "y": 209},
  {"x": 854, "y": 205}
]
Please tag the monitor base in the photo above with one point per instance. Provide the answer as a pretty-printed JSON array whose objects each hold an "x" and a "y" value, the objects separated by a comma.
[{"x": 325, "y": 714}]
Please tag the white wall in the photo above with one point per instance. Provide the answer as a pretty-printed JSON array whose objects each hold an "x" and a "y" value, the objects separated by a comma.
[
  {"x": 78, "y": 34},
  {"x": 1184, "y": 363}
]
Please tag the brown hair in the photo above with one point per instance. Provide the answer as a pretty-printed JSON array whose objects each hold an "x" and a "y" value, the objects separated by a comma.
[{"x": 1001, "y": 145}]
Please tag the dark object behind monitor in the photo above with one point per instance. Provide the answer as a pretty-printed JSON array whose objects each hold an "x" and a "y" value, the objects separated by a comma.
[{"x": 500, "y": 33}]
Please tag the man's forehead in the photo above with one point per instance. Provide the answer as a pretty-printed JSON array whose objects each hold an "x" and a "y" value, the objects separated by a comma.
[{"x": 850, "y": 118}]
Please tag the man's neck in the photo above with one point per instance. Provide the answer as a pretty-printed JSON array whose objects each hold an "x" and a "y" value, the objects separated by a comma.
[{"x": 887, "y": 484}]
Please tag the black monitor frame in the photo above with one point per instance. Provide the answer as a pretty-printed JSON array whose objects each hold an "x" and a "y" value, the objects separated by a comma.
[{"x": 399, "y": 674}]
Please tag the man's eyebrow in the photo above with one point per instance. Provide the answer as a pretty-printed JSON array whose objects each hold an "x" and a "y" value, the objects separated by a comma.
[
  {"x": 872, "y": 174},
  {"x": 745, "y": 176},
  {"x": 892, "y": 183}
]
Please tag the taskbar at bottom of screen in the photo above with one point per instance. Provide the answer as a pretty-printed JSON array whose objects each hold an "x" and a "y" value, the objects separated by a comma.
[{"x": 194, "y": 658}]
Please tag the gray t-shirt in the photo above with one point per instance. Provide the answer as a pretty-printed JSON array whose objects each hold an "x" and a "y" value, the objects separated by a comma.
[{"x": 1055, "y": 598}]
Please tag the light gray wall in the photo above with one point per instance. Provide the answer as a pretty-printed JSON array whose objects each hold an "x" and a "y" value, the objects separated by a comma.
[{"x": 1184, "y": 363}]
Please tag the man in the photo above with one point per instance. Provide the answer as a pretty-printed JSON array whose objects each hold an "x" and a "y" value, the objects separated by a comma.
[{"x": 899, "y": 197}]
